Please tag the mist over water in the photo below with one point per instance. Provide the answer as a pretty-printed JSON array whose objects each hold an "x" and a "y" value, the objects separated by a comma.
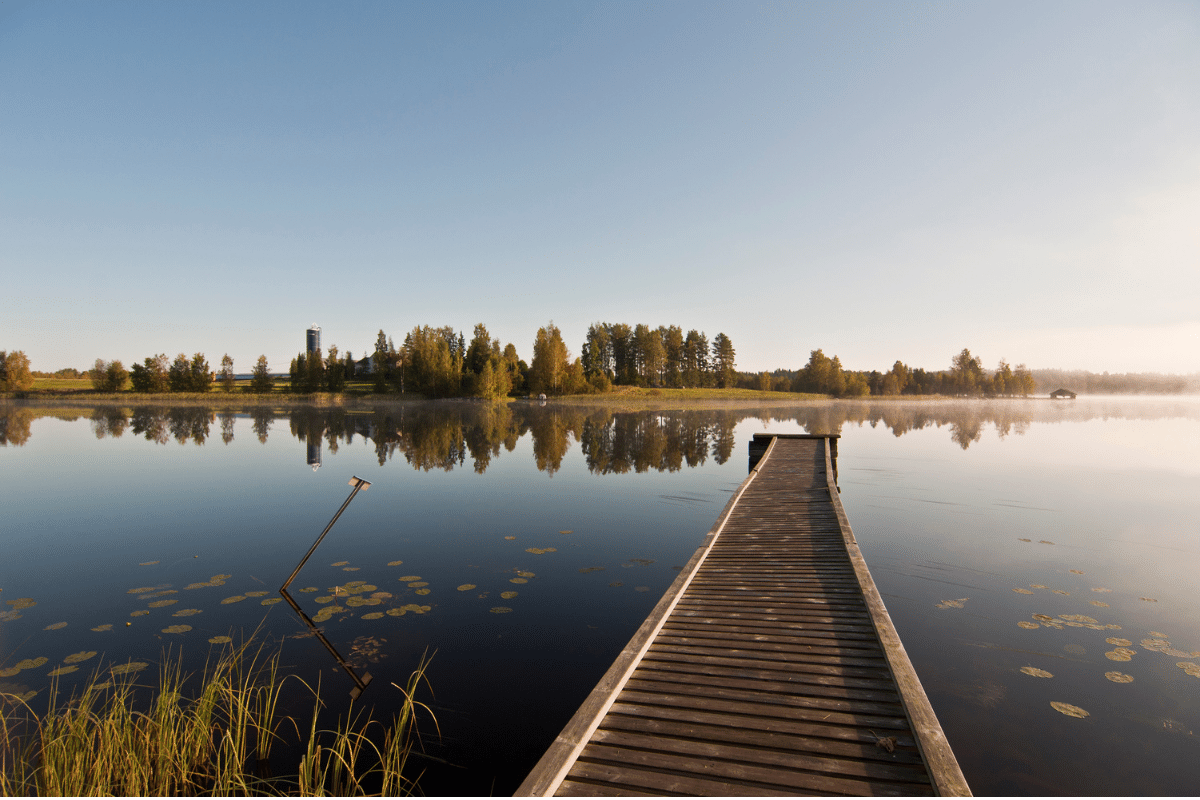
[{"x": 974, "y": 517}]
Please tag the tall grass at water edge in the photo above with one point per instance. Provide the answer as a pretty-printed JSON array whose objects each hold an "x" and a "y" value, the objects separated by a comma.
[{"x": 217, "y": 741}]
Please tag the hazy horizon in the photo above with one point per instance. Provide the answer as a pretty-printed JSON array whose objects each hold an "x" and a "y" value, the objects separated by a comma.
[{"x": 881, "y": 181}]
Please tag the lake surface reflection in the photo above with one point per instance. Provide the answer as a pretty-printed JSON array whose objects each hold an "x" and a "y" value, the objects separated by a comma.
[{"x": 523, "y": 546}]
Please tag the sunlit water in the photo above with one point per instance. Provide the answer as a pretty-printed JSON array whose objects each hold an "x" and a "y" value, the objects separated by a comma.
[{"x": 1002, "y": 535}]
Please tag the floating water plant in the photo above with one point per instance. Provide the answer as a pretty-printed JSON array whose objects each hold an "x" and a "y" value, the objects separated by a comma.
[
  {"x": 510, "y": 538},
  {"x": 310, "y": 589},
  {"x": 80, "y": 657},
  {"x": 1120, "y": 654},
  {"x": 339, "y": 563},
  {"x": 525, "y": 574},
  {"x": 1076, "y": 571},
  {"x": 237, "y": 598},
  {"x": 616, "y": 583},
  {"x": 1118, "y": 677},
  {"x": 953, "y": 603},
  {"x": 1044, "y": 541},
  {"x": 507, "y": 595},
  {"x": 1118, "y": 642},
  {"x": 102, "y": 628},
  {"x": 54, "y": 673},
  {"x": 1069, "y": 710},
  {"x": 256, "y": 593},
  {"x": 1076, "y": 618},
  {"x": 220, "y": 640},
  {"x": 591, "y": 569},
  {"x": 1036, "y": 586},
  {"x": 537, "y": 551},
  {"x": 1098, "y": 603},
  {"x": 126, "y": 669},
  {"x": 1022, "y": 591},
  {"x": 500, "y": 610},
  {"x": 564, "y": 533},
  {"x": 163, "y": 603},
  {"x": 54, "y": 626},
  {"x": 1032, "y": 626},
  {"x": 418, "y": 584},
  {"x": 408, "y": 578},
  {"x": 517, "y": 580},
  {"x": 394, "y": 563},
  {"x": 22, "y": 603},
  {"x": 373, "y": 615},
  {"x": 1024, "y": 540},
  {"x": 177, "y": 629},
  {"x": 147, "y": 563},
  {"x": 1148, "y": 599},
  {"x": 466, "y": 587},
  {"x": 1037, "y": 673},
  {"x": 422, "y": 591},
  {"x": 270, "y": 601},
  {"x": 186, "y": 612},
  {"x": 1059, "y": 591},
  {"x": 1101, "y": 589}
]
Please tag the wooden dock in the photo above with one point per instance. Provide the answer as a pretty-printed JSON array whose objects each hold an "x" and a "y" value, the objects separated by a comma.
[{"x": 770, "y": 667}]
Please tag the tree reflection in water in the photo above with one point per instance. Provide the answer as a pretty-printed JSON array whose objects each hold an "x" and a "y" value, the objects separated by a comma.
[{"x": 445, "y": 434}]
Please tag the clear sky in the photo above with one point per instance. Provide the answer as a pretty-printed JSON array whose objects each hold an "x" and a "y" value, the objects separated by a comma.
[{"x": 880, "y": 180}]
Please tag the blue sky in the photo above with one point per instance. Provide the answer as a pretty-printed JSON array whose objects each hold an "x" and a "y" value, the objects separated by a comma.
[{"x": 882, "y": 181}]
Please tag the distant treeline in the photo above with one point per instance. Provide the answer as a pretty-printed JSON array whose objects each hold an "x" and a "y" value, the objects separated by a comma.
[
  {"x": 965, "y": 378},
  {"x": 439, "y": 362}
]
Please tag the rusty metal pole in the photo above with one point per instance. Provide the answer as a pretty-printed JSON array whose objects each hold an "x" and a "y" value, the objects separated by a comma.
[{"x": 357, "y": 483}]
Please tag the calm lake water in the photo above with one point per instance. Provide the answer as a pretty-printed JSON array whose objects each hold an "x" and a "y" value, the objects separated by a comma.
[{"x": 1050, "y": 536}]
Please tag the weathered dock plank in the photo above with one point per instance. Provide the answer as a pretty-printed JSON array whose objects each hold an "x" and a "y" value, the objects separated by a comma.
[{"x": 770, "y": 667}]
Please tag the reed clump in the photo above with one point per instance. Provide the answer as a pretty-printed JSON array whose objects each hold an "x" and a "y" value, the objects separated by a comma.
[{"x": 214, "y": 741}]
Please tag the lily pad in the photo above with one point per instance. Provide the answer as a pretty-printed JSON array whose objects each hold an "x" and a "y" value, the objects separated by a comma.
[
  {"x": 1037, "y": 673},
  {"x": 418, "y": 584},
  {"x": 144, "y": 589},
  {"x": 1118, "y": 677},
  {"x": 147, "y": 563},
  {"x": 591, "y": 569},
  {"x": 237, "y": 598},
  {"x": 256, "y": 593},
  {"x": 54, "y": 626},
  {"x": 517, "y": 580},
  {"x": 1076, "y": 571},
  {"x": 526, "y": 574},
  {"x": 507, "y": 595},
  {"x": 177, "y": 629},
  {"x": 1060, "y": 591},
  {"x": 1032, "y": 626},
  {"x": 21, "y": 603},
  {"x": 616, "y": 583},
  {"x": 10, "y": 616},
  {"x": 409, "y": 578},
  {"x": 1101, "y": 590},
  {"x": 220, "y": 640},
  {"x": 564, "y": 533},
  {"x": 1148, "y": 599},
  {"x": 1118, "y": 642},
  {"x": 1098, "y": 604},
  {"x": 953, "y": 603},
  {"x": 310, "y": 589},
  {"x": 510, "y": 538},
  {"x": 500, "y": 610},
  {"x": 339, "y": 563},
  {"x": 80, "y": 657},
  {"x": 350, "y": 569},
  {"x": 1036, "y": 586},
  {"x": 373, "y": 615},
  {"x": 1076, "y": 618},
  {"x": 270, "y": 601},
  {"x": 394, "y": 563},
  {"x": 537, "y": 551},
  {"x": 54, "y": 673},
  {"x": 1019, "y": 539},
  {"x": 8, "y": 672},
  {"x": 187, "y": 612},
  {"x": 1022, "y": 591},
  {"x": 1042, "y": 618},
  {"x": 1045, "y": 541},
  {"x": 132, "y": 666},
  {"x": 466, "y": 587},
  {"x": 396, "y": 612},
  {"x": 31, "y": 663},
  {"x": 1069, "y": 710},
  {"x": 163, "y": 603},
  {"x": 422, "y": 591},
  {"x": 1113, "y": 655},
  {"x": 102, "y": 628}
]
